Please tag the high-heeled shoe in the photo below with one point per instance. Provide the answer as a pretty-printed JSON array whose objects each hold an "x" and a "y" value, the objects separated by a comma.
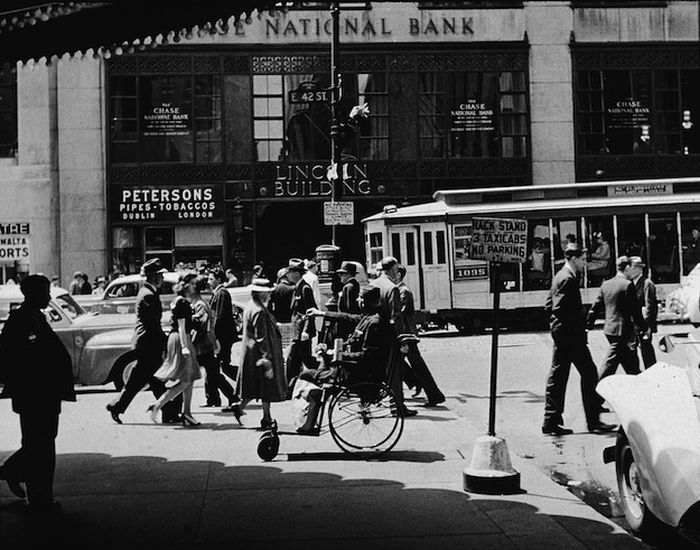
[
  {"x": 188, "y": 421},
  {"x": 237, "y": 412},
  {"x": 154, "y": 413}
]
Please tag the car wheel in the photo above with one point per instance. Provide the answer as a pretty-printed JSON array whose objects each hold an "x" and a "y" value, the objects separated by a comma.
[{"x": 641, "y": 520}]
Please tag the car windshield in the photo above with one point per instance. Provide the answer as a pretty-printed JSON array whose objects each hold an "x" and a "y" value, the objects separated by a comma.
[{"x": 71, "y": 308}]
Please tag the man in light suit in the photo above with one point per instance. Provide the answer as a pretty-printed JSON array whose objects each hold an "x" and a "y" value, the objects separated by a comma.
[
  {"x": 390, "y": 311},
  {"x": 569, "y": 344},
  {"x": 623, "y": 317},
  {"x": 646, "y": 296}
]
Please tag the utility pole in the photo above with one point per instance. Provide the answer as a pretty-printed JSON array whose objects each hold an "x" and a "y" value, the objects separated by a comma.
[{"x": 336, "y": 128}]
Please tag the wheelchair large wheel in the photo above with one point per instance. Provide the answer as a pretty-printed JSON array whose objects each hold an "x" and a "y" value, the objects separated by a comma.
[{"x": 364, "y": 419}]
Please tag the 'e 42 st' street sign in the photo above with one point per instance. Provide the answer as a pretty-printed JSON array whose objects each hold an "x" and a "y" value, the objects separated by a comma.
[
  {"x": 308, "y": 92},
  {"x": 499, "y": 240}
]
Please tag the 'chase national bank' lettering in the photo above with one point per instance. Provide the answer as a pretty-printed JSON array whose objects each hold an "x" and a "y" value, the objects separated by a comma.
[
  {"x": 353, "y": 26},
  {"x": 311, "y": 180},
  {"x": 190, "y": 203}
]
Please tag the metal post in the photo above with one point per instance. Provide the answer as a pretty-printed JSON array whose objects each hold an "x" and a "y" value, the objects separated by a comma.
[
  {"x": 336, "y": 149},
  {"x": 494, "y": 346}
]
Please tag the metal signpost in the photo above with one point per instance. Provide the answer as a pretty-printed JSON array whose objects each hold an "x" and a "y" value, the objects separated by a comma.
[
  {"x": 496, "y": 240},
  {"x": 336, "y": 130}
]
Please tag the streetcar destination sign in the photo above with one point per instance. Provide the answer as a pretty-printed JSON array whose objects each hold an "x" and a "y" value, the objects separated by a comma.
[
  {"x": 308, "y": 92},
  {"x": 499, "y": 240}
]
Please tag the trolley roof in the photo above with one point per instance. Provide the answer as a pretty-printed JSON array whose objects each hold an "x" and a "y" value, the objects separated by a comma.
[{"x": 644, "y": 195}]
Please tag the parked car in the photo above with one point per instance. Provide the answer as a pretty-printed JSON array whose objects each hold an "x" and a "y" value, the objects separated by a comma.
[
  {"x": 99, "y": 344},
  {"x": 120, "y": 296}
]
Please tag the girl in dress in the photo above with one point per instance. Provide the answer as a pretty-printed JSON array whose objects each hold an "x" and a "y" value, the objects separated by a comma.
[
  {"x": 180, "y": 364},
  {"x": 261, "y": 375}
]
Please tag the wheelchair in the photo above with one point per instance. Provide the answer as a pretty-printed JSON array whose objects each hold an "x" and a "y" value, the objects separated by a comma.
[{"x": 359, "y": 411}]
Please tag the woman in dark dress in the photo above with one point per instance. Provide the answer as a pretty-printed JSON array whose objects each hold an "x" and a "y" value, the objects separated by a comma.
[
  {"x": 261, "y": 375},
  {"x": 180, "y": 364}
]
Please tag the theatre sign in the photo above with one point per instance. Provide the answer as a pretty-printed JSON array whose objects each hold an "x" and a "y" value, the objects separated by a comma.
[
  {"x": 171, "y": 203},
  {"x": 14, "y": 242}
]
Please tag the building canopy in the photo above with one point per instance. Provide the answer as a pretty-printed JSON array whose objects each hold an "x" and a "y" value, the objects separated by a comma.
[{"x": 31, "y": 30}]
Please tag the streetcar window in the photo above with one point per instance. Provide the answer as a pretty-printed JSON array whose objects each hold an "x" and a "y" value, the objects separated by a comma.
[
  {"x": 410, "y": 249},
  {"x": 375, "y": 248},
  {"x": 428, "y": 246},
  {"x": 663, "y": 249},
  {"x": 396, "y": 246},
  {"x": 440, "y": 238},
  {"x": 601, "y": 250},
  {"x": 631, "y": 236},
  {"x": 537, "y": 270},
  {"x": 690, "y": 237}
]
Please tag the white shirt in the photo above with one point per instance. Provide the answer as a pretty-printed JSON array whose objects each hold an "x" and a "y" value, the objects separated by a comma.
[{"x": 312, "y": 279}]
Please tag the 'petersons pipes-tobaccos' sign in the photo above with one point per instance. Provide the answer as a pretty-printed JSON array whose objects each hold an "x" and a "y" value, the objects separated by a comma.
[{"x": 172, "y": 203}]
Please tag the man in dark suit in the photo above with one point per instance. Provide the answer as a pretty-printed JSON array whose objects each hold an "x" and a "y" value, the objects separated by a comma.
[
  {"x": 418, "y": 367},
  {"x": 303, "y": 329},
  {"x": 646, "y": 297},
  {"x": 390, "y": 301},
  {"x": 567, "y": 322},
  {"x": 149, "y": 343},
  {"x": 37, "y": 373},
  {"x": 349, "y": 297},
  {"x": 226, "y": 335},
  {"x": 623, "y": 316}
]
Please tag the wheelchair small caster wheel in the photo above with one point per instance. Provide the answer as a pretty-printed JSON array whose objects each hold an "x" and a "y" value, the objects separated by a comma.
[{"x": 268, "y": 446}]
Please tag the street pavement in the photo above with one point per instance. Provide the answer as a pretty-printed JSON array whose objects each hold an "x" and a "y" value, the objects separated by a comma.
[{"x": 140, "y": 485}]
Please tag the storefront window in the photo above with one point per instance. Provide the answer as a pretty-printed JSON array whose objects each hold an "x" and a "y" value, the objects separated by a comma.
[
  {"x": 127, "y": 255},
  {"x": 474, "y": 114},
  {"x": 638, "y": 112},
  {"x": 170, "y": 119},
  {"x": 663, "y": 249}
]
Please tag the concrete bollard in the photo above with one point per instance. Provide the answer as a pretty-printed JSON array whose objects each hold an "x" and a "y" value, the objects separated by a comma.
[{"x": 491, "y": 471}]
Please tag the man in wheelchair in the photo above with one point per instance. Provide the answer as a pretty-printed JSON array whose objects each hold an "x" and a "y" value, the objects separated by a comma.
[{"x": 365, "y": 354}]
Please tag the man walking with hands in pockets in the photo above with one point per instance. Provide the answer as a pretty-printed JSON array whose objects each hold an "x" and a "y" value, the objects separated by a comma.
[{"x": 567, "y": 322}]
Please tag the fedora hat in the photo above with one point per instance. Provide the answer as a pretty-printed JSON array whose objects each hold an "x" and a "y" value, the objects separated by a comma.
[
  {"x": 296, "y": 264},
  {"x": 261, "y": 285},
  {"x": 573, "y": 250},
  {"x": 154, "y": 265},
  {"x": 406, "y": 338},
  {"x": 348, "y": 267}
]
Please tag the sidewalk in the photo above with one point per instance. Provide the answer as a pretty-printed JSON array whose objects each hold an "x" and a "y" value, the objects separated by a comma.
[{"x": 143, "y": 486}]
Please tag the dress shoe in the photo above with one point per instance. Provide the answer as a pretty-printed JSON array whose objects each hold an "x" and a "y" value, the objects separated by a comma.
[
  {"x": 604, "y": 410},
  {"x": 13, "y": 483},
  {"x": 409, "y": 412},
  {"x": 556, "y": 430},
  {"x": 113, "y": 412},
  {"x": 236, "y": 410},
  {"x": 601, "y": 428},
  {"x": 434, "y": 403},
  {"x": 308, "y": 431},
  {"x": 268, "y": 424},
  {"x": 154, "y": 413}
]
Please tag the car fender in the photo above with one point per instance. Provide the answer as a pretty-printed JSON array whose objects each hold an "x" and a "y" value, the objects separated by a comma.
[
  {"x": 101, "y": 352},
  {"x": 661, "y": 418}
]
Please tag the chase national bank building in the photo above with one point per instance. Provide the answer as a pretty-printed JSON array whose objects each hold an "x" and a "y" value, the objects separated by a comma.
[{"x": 216, "y": 147}]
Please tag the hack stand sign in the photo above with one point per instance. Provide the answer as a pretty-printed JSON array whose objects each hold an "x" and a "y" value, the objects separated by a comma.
[{"x": 496, "y": 240}]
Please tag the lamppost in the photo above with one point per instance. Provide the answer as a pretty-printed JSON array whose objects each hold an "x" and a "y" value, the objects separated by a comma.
[{"x": 336, "y": 129}]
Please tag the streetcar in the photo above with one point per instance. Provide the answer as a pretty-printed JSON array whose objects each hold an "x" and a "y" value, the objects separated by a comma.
[{"x": 657, "y": 219}]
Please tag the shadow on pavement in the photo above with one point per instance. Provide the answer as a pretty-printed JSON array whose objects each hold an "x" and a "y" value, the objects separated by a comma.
[
  {"x": 149, "y": 502},
  {"x": 425, "y": 457}
]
